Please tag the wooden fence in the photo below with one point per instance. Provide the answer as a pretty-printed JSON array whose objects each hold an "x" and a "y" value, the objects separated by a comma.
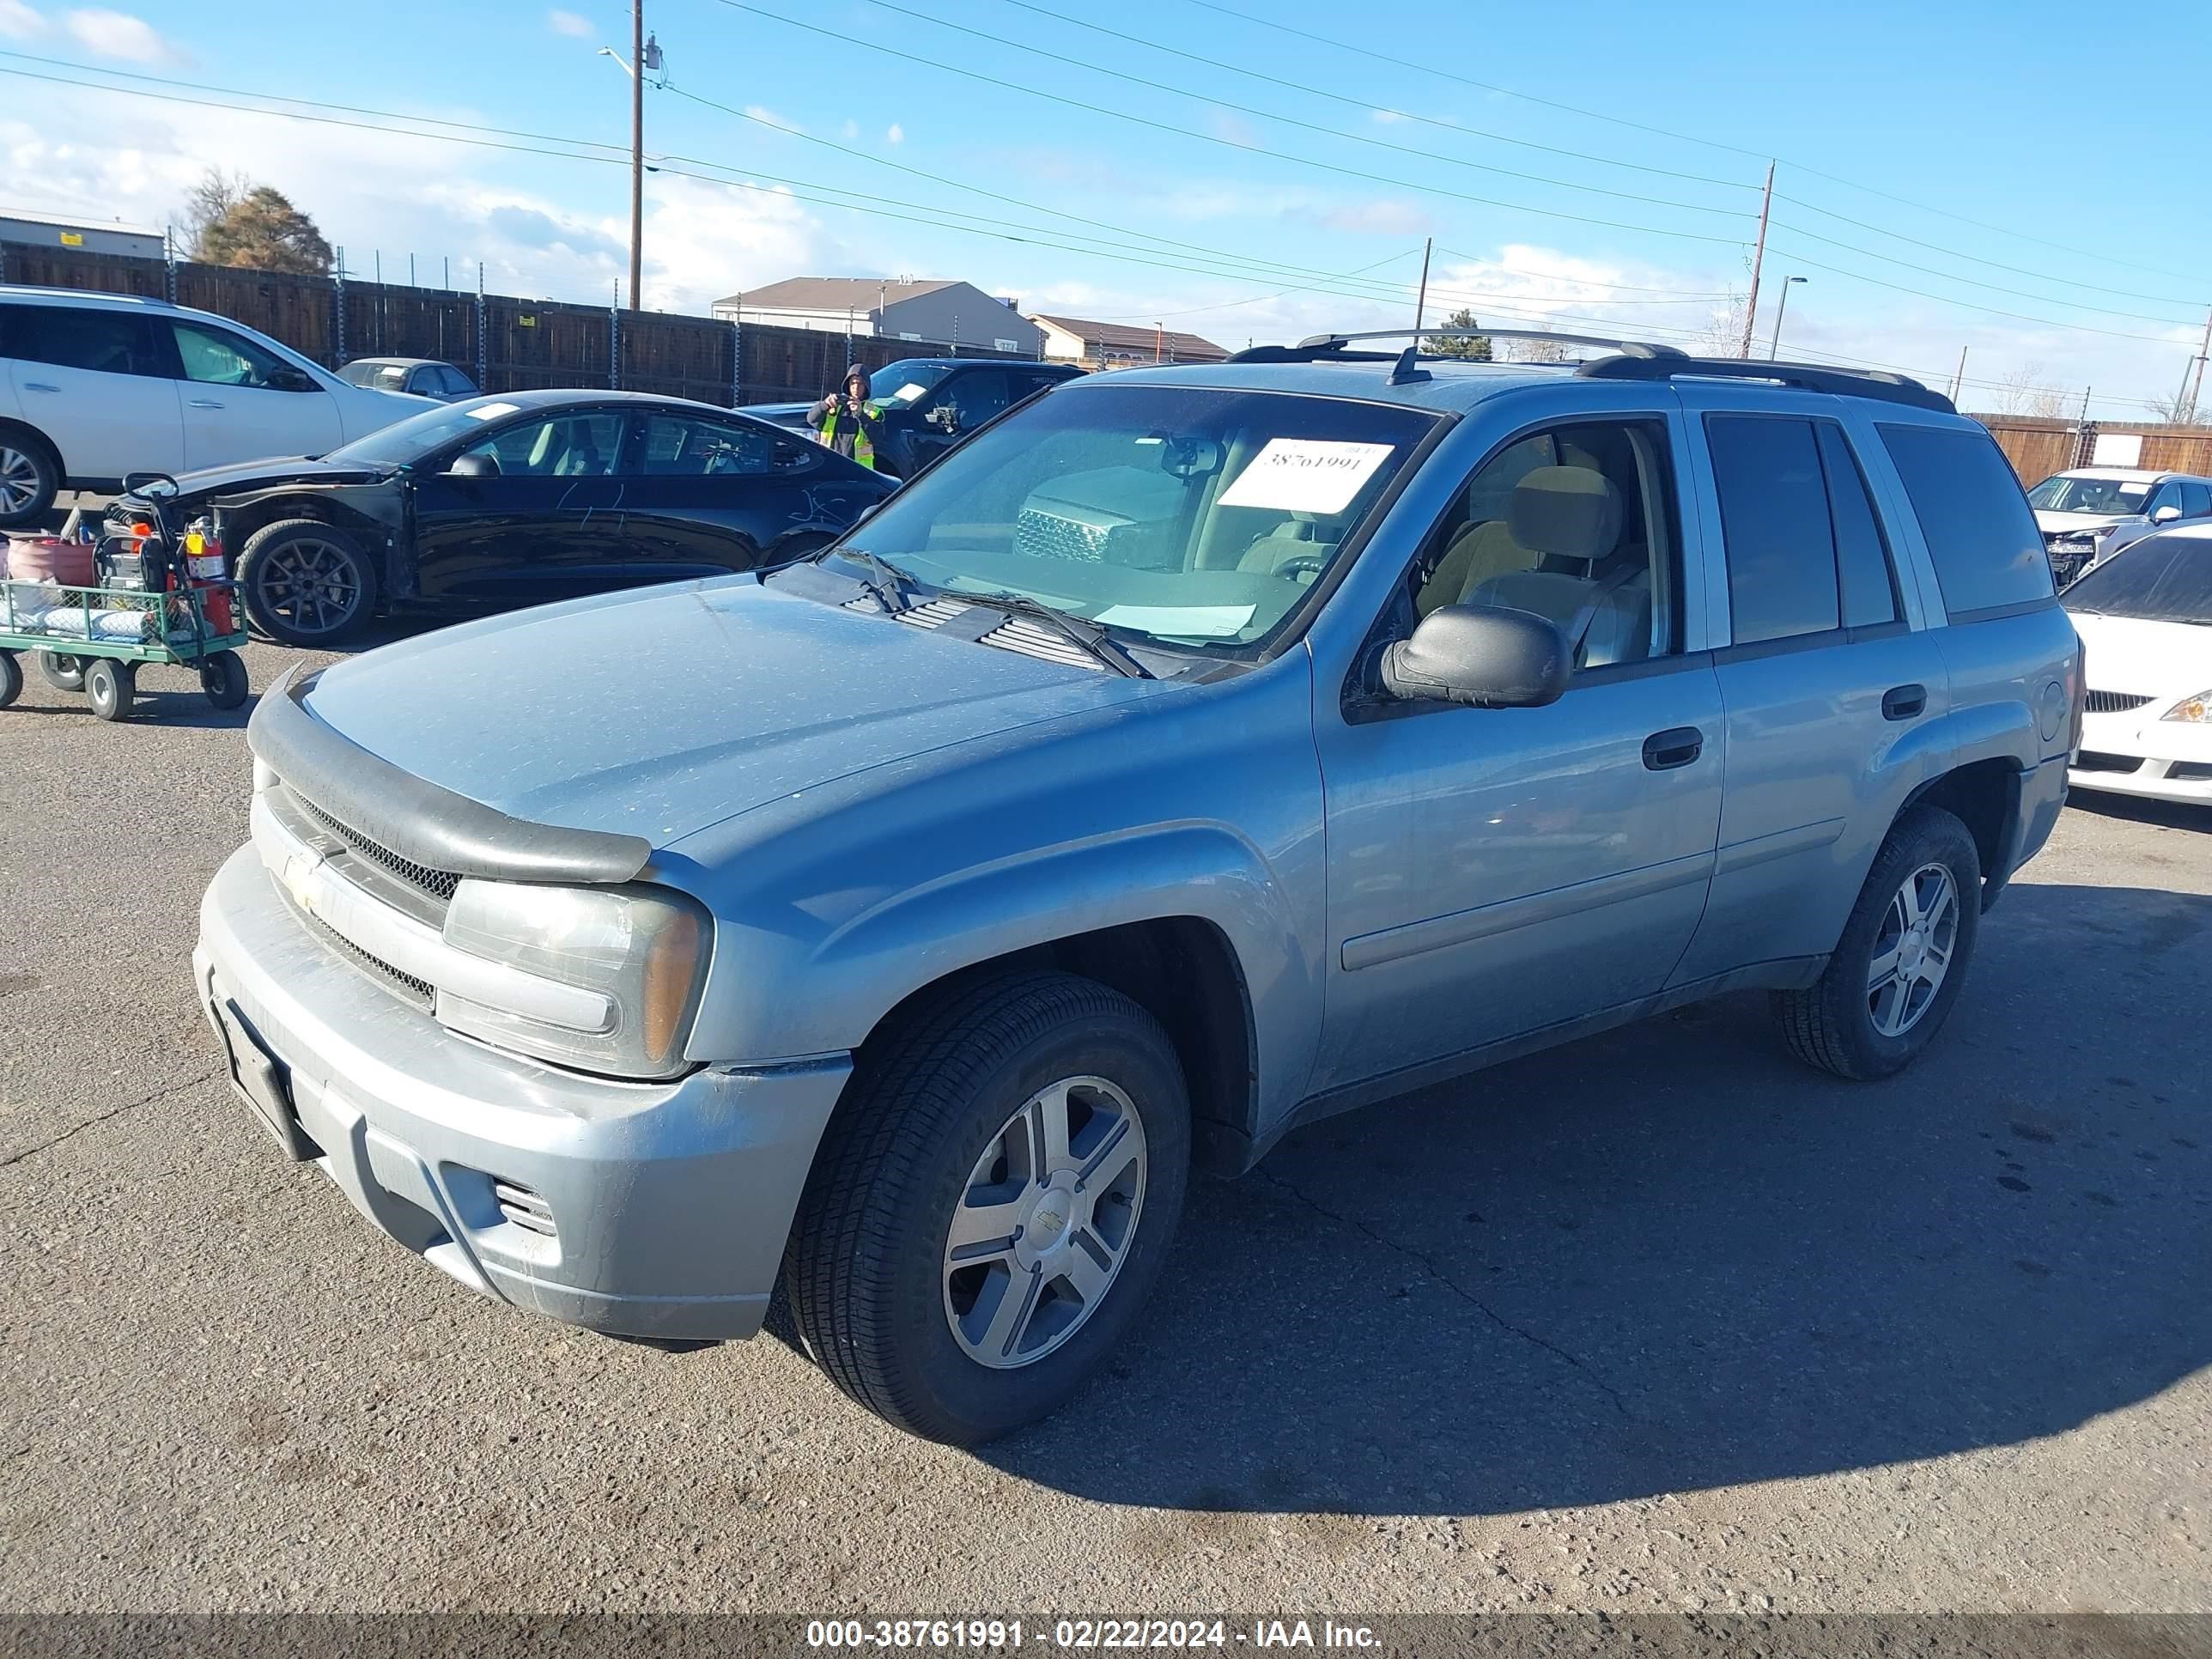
[
  {"x": 509, "y": 345},
  {"x": 2038, "y": 449}
]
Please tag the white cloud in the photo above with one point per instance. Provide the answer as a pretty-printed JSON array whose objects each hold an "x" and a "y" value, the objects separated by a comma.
[
  {"x": 895, "y": 133},
  {"x": 118, "y": 35},
  {"x": 761, "y": 113},
  {"x": 21, "y": 22},
  {"x": 1386, "y": 117},
  {"x": 574, "y": 24},
  {"x": 1383, "y": 218},
  {"x": 851, "y": 128}
]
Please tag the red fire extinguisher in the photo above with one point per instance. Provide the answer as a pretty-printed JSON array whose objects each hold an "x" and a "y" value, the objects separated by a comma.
[{"x": 204, "y": 569}]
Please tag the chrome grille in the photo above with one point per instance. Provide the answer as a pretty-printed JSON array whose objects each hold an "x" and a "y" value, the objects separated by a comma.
[
  {"x": 524, "y": 1208},
  {"x": 438, "y": 884},
  {"x": 408, "y": 989},
  {"x": 2114, "y": 702}
]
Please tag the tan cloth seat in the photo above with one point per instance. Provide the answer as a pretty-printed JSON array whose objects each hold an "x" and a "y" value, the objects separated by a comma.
[{"x": 1557, "y": 511}]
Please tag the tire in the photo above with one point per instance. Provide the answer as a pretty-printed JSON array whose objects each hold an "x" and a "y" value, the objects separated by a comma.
[
  {"x": 222, "y": 676},
  {"x": 63, "y": 672},
  {"x": 305, "y": 583},
  {"x": 11, "y": 678},
  {"x": 112, "y": 686},
  {"x": 30, "y": 476},
  {"x": 942, "y": 1105},
  {"x": 1848, "y": 1025}
]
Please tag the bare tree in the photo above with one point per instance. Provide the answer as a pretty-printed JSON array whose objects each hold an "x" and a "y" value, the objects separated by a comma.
[
  {"x": 2178, "y": 410},
  {"x": 1722, "y": 335},
  {"x": 1535, "y": 351},
  {"x": 2024, "y": 391}
]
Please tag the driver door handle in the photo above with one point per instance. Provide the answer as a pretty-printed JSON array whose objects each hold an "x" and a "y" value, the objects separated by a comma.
[
  {"x": 39, "y": 386},
  {"x": 203, "y": 403},
  {"x": 1678, "y": 745},
  {"x": 1902, "y": 702}
]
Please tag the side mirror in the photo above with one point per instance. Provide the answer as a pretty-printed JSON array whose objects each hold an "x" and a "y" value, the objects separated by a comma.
[
  {"x": 2166, "y": 514},
  {"x": 285, "y": 378},
  {"x": 1480, "y": 656},
  {"x": 473, "y": 466},
  {"x": 153, "y": 486}
]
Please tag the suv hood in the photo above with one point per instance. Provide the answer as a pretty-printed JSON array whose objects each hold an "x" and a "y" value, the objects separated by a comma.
[
  {"x": 658, "y": 713},
  {"x": 2051, "y": 523}
]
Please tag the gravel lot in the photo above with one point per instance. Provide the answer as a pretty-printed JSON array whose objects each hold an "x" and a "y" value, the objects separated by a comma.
[{"x": 1659, "y": 1321}]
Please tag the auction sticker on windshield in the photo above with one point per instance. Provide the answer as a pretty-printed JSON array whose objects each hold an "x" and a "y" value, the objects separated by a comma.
[{"x": 1305, "y": 474}]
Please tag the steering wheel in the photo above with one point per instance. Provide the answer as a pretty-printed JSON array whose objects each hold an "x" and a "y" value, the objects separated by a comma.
[{"x": 1305, "y": 565}]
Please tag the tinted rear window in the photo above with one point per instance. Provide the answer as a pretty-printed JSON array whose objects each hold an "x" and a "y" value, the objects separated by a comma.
[
  {"x": 1774, "y": 519},
  {"x": 81, "y": 336},
  {"x": 1980, "y": 532}
]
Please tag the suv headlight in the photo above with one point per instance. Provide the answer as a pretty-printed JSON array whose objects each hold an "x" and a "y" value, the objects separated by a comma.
[
  {"x": 644, "y": 948},
  {"x": 2196, "y": 710}
]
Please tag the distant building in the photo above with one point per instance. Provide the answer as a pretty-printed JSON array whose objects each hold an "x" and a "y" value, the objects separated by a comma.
[
  {"x": 1120, "y": 345},
  {"x": 940, "y": 313},
  {"x": 93, "y": 236}
]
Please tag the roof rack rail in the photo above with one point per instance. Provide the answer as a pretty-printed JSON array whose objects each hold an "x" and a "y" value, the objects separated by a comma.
[
  {"x": 1330, "y": 348},
  {"x": 1875, "y": 383}
]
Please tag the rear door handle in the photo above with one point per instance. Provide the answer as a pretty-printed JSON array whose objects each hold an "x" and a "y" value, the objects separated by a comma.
[
  {"x": 1902, "y": 702},
  {"x": 1676, "y": 746},
  {"x": 39, "y": 386},
  {"x": 203, "y": 403}
]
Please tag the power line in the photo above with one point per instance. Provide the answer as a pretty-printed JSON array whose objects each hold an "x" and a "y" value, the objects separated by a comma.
[
  {"x": 1968, "y": 305},
  {"x": 1366, "y": 105},
  {"x": 1292, "y": 120},
  {"x": 1587, "y": 281},
  {"x": 1228, "y": 143}
]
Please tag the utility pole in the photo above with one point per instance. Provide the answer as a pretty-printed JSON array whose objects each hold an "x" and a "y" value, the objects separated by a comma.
[
  {"x": 1959, "y": 379},
  {"x": 1421, "y": 302},
  {"x": 1758, "y": 260},
  {"x": 2198, "y": 364},
  {"x": 636, "y": 147}
]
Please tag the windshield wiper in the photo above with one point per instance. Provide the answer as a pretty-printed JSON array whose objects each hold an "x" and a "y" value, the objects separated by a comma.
[
  {"x": 891, "y": 583},
  {"x": 1092, "y": 638}
]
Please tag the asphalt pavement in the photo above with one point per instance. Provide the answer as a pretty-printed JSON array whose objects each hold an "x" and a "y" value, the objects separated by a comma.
[{"x": 1660, "y": 1321}]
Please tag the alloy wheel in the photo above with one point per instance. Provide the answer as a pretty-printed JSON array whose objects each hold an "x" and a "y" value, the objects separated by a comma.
[
  {"x": 309, "y": 584},
  {"x": 1045, "y": 1222},
  {"x": 1912, "y": 949},
  {"x": 19, "y": 480}
]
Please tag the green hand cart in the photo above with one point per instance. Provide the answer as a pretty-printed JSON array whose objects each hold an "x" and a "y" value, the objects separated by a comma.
[{"x": 94, "y": 640}]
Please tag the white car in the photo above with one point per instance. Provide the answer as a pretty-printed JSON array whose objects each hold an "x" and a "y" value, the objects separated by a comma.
[
  {"x": 2090, "y": 513},
  {"x": 2145, "y": 618},
  {"x": 95, "y": 387}
]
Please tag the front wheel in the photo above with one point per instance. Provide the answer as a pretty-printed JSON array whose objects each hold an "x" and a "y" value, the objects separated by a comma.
[
  {"x": 991, "y": 1204},
  {"x": 11, "y": 678},
  {"x": 222, "y": 677},
  {"x": 29, "y": 479},
  {"x": 63, "y": 673},
  {"x": 305, "y": 583},
  {"x": 1903, "y": 956},
  {"x": 112, "y": 686}
]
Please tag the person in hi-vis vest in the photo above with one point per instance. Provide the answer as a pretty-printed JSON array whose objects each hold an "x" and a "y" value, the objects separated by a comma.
[{"x": 848, "y": 420}]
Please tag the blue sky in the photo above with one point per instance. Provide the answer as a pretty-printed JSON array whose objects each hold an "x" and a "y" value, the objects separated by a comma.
[{"x": 2067, "y": 164}]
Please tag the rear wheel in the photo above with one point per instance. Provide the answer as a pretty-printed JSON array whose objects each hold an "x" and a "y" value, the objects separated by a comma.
[
  {"x": 11, "y": 678},
  {"x": 222, "y": 676},
  {"x": 112, "y": 686},
  {"x": 305, "y": 583},
  {"x": 1902, "y": 958},
  {"x": 63, "y": 673},
  {"x": 991, "y": 1204},
  {"x": 29, "y": 478}
]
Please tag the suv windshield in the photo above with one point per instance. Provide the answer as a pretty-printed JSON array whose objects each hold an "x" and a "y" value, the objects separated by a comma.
[
  {"x": 2064, "y": 494},
  {"x": 1186, "y": 516},
  {"x": 905, "y": 380},
  {"x": 412, "y": 439},
  {"x": 2159, "y": 579}
]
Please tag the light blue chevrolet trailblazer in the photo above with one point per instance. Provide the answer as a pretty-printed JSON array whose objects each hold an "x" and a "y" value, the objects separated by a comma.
[{"x": 1190, "y": 754}]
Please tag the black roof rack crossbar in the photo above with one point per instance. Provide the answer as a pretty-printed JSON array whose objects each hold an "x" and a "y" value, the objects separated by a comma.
[
  {"x": 1877, "y": 383},
  {"x": 1331, "y": 348}
]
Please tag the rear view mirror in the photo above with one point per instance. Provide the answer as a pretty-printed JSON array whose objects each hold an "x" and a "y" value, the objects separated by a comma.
[
  {"x": 2166, "y": 514},
  {"x": 1480, "y": 656}
]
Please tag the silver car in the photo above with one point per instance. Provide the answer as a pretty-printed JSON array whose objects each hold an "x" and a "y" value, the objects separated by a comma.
[{"x": 1192, "y": 754}]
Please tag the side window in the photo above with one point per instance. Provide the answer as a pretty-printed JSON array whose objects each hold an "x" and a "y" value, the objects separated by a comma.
[
  {"x": 2167, "y": 494},
  {"x": 1980, "y": 534},
  {"x": 456, "y": 383},
  {"x": 679, "y": 447},
  {"x": 1775, "y": 527},
  {"x": 2196, "y": 501},
  {"x": 976, "y": 396},
  {"x": 564, "y": 447},
  {"x": 216, "y": 356},
  {"x": 1862, "y": 561},
  {"x": 80, "y": 337},
  {"x": 1577, "y": 524}
]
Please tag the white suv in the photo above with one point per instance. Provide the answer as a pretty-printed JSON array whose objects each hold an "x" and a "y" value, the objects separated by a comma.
[
  {"x": 2090, "y": 513},
  {"x": 94, "y": 386}
]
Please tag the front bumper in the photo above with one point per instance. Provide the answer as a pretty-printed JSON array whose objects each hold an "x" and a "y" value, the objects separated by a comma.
[
  {"x": 2135, "y": 753},
  {"x": 668, "y": 1203}
]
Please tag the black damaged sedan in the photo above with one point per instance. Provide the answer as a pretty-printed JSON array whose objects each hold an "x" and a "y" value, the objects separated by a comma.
[{"x": 517, "y": 500}]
